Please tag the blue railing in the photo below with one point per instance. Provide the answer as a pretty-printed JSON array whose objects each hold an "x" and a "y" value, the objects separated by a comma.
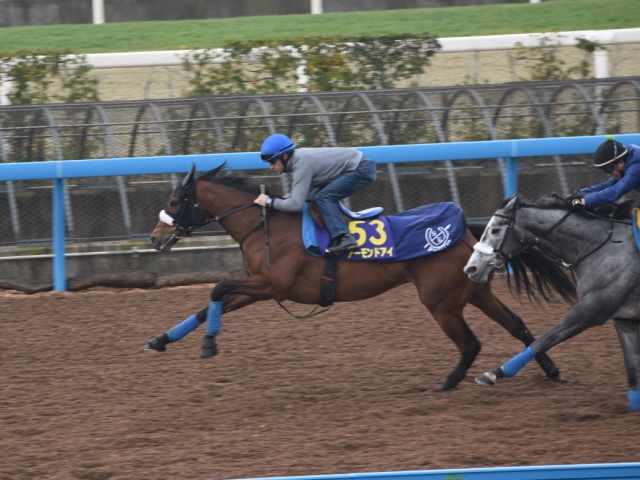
[
  {"x": 59, "y": 171},
  {"x": 612, "y": 471}
]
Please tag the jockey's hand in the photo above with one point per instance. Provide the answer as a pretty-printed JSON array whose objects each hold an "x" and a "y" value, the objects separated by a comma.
[
  {"x": 263, "y": 200},
  {"x": 569, "y": 198},
  {"x": 578, "y": 203}
]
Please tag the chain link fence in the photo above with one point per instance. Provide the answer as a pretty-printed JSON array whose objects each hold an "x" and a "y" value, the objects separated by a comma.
[{"x": 124, "y": 209}]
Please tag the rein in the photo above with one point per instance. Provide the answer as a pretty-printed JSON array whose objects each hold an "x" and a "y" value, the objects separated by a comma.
[
  {"x": 536, "y": 240},
  {"x": 312, "y": 313},
  {"x": 187, "y": 231},
  {"x": 191, "y": 209}
]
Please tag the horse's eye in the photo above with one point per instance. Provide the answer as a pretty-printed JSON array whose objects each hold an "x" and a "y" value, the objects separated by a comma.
[
  {"x": 495, "y": 231},
  {"x": 173, "y": 203}
]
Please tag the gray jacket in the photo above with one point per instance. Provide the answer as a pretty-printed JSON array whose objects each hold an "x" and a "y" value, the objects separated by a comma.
[{"x": 315, "y": 168}]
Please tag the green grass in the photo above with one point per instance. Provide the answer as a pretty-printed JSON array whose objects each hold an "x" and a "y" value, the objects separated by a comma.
[{"x": 548, "y": 16}]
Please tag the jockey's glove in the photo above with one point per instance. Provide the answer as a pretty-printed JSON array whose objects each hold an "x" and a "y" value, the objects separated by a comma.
[{"x": 577, "y": 203}]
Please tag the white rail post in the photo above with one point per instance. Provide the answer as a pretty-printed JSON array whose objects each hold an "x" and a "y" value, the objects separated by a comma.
[
  {"x": 98, "y": 11},
  {"x": 600, "y": 70},
  {"x": 5, "y": 88},
  {"x": 316, "y": 7}
]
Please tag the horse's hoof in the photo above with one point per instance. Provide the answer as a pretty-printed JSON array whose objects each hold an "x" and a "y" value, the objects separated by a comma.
[
  {"x": 488, "y": 379},
  {"x": 558, "y": 378},
  {"x": 447, "y": 385},
  {"x": 209, "y": 348},
  {"x": 157, "y": 344}
]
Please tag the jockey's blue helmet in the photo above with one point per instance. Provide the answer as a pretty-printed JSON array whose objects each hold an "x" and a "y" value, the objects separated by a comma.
[{"x": 274, "y": 146}]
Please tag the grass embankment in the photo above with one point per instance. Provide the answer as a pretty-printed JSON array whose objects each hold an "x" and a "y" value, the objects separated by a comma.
[{"x": 548, "y": 16}]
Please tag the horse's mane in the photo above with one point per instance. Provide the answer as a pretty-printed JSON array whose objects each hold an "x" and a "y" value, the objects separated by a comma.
[
  {"x": 616, "y": 211},
  {"x": 537, "y": 275},
  {"x": 233, "y": 181},
  {"x": 534, "y": 272}
]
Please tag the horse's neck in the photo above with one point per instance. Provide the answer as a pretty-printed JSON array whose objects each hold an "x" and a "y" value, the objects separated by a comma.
[
  {"x": 219, "y": 200},
  {"x": 566, "y": 240}
]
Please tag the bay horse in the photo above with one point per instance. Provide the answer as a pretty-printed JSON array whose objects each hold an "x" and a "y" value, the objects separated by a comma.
[
  {"x": 292, "y": 274},
  {"x": 539, "y": 241}
]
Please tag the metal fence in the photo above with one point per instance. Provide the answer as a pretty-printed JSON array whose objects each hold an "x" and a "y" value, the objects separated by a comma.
[
  {"x": 26, "y": 264},
  {"x": 118, "y": 208}
]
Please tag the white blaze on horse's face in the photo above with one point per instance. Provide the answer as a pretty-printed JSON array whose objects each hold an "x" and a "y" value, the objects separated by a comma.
[
  {"x": 166, "y": 218},
  {"x": 484, "y": 259}
]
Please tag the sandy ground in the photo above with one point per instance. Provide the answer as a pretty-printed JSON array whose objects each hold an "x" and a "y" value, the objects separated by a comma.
[{"x": 344, "y": 392}]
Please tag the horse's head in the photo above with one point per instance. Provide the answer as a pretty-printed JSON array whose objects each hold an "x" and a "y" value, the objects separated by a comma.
[
  {"x": 531, "y": 247},
  {"x": 488, "y": 252},
  {"x": 181, "y": 215}
]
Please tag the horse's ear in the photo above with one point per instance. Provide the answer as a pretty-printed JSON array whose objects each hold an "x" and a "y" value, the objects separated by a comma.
[
  {"x": 213, "y": 172},
  {"x": 188, "y": 180}
]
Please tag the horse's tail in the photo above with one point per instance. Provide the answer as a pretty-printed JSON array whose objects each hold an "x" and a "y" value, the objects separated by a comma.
[{"x": 476, "y": 227}]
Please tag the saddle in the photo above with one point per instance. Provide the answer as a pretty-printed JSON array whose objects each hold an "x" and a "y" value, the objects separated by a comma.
[{"x": 372, "y": 212}]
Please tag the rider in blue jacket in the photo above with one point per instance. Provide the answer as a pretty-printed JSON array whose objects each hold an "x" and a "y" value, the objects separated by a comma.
[{"x": 622, "y": 164}]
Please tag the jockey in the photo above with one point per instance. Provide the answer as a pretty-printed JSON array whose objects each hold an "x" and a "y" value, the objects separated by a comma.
[
  {"x": 622, "y": 164},
  {"x": 334, "y": 172}
]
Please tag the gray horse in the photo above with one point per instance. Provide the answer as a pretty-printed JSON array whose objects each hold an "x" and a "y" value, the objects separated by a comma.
[{"x": 538, "y": 242}]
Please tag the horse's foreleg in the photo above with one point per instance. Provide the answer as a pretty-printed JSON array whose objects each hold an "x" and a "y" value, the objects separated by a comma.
[
  {"x": 497, "y": 311},
  {"x": 231, "y": 303},
  {"x": 629, "y": 335},
  {"x": 178, "y": 332},
  {"x": 581, "y": 318},
  {"x": 241, "y": 291}
]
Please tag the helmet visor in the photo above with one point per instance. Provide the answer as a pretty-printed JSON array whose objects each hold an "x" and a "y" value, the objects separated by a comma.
[{"x": 272, "y": 157}]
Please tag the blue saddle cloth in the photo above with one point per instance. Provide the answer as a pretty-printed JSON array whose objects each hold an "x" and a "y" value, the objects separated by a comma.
[{"x": 410, "y": 234}]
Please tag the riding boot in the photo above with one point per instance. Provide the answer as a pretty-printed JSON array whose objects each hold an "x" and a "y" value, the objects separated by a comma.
[
  {"x": 344, "y": 243},
  {"x": 209, "y": 347},
  {"x": 158, "y": 344}
]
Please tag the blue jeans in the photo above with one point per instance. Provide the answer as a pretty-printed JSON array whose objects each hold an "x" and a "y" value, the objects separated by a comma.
[{"x": 348, "y": 184}]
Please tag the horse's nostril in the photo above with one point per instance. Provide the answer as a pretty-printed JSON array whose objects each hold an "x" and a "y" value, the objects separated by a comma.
[
  {"x": 152, "y": 238},
  {"x": 469, "y": 270}
]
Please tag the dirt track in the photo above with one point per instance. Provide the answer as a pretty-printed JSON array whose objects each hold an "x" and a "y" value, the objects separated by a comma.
[{"x": 340, "y": 393}]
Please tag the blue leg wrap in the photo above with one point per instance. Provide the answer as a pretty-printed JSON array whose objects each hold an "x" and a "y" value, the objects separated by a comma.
[
  {"x": 214, "y": 318},
  {"x": 634, "y": 399},
  {"x": 183, "y": 329},
  {"x": 517, "y": 363}
]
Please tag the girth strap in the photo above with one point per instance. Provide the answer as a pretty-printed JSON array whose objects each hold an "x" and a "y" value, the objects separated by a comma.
[{"x": 328, "y": 282}]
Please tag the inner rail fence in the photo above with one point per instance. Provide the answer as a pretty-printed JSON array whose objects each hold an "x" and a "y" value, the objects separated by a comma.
[
  {"x": 416, "y": 161},
  {"x": 613, "y": 471}
]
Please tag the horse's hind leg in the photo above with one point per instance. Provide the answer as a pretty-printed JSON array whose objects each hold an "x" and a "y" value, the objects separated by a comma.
[
  {"x": 629, "y": 335},
  {"x": 455, "y": 327},
  {"x": 588, "y": 313},
  {"x": 484, "y": 299}
]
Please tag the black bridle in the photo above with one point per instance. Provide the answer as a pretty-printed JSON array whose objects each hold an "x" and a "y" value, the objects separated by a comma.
[
  {"x": 191, "y": 217},
  {"x": 535, "y": 241}
]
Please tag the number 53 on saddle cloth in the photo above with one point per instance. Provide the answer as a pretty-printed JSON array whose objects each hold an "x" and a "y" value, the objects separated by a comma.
[{"x": 410, "y": 234}]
